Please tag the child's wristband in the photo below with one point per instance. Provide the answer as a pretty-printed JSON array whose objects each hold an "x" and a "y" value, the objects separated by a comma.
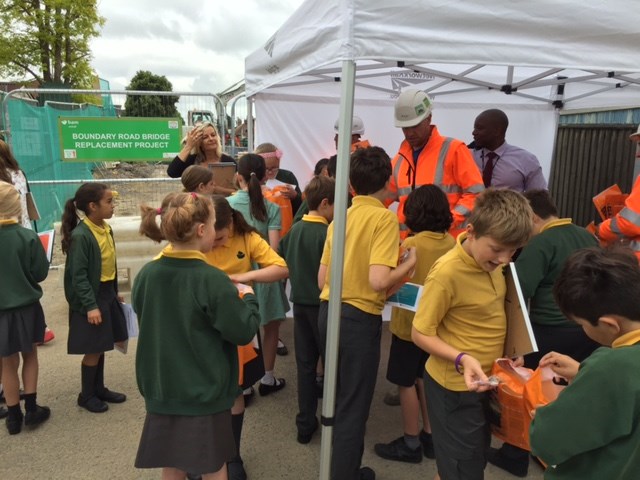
[{"x": 457, "y": 363}]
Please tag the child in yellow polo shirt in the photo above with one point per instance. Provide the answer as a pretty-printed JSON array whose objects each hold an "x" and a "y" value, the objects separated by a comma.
[
  {"x": 461, "y": 323},
  {"x": 370, "y": 268},
  {"x": 592, "y": 430}
]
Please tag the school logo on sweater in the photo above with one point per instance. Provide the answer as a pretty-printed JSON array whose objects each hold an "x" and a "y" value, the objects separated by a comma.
[{"x": 240, "y": 254}]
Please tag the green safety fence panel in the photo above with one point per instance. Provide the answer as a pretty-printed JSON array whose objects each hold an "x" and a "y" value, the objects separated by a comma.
[{"x": 36, "y": 146}]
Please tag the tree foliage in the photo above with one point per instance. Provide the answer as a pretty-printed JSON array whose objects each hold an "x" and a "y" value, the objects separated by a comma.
[
  {"x": 151, "y": 105},
  {"x": 49, "y": 40}
]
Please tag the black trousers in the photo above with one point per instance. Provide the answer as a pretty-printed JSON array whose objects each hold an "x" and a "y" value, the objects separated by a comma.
[
  {"x": 358, "y": 361},
  {"x": 307, "y": 346}
]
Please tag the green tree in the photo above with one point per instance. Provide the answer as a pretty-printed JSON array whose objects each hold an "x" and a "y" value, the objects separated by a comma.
[
  {"x": 151, "y": 105},
  {"x": 49, "y": 40}
]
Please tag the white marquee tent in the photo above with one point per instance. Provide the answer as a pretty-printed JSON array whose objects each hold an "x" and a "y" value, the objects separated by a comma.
[
  {"x": 530, "y": 58},
  {"x": 468, "y": 55}
]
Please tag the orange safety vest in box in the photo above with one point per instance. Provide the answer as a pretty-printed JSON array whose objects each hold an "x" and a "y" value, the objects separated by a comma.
[
  {"x": 626, "y": 224},
  {"x": 286, "y": 210},
  {"x": 445, "y": 162}
]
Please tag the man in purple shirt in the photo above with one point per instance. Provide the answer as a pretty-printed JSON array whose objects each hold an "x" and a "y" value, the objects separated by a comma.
[{"x": 503, "y": 165}]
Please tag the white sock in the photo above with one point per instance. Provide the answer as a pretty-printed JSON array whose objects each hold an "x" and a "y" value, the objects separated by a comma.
[{"x": 268, "y": 378}]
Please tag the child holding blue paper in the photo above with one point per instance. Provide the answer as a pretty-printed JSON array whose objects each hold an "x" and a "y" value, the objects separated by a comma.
[{"x": 429, "y": 218}]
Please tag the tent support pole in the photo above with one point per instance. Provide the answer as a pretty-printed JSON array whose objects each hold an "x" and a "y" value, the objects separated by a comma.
[{"x": 337, "y": 264}]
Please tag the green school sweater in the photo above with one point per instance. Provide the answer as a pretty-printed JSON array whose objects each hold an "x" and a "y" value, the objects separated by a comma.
[
  {"x": 23, "y": 264},
  {"x": 191, "y": 321},
  {"x": 540, "y": 263},
  {"x": 302, "y": 248},
  {"x": 592, "y": 430}
]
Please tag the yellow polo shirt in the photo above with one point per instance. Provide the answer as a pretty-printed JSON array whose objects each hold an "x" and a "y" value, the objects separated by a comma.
[
  {"x": 372, "y": 238},
  {"x": 429, "y": 247},
  {"x": 464, "y": 306},
  {"x": 240, "y": 251},
  {"x": 107, "y": 249}
]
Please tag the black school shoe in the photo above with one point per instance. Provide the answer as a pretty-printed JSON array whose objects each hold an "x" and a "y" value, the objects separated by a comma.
[
  {"x": 93, "y": 404},
  {"x": 305, "y": 438},
  {"x": 3, "y": 412},
  {"x": 14, "y": 424},
  {"x": 427, "y": 445},
  {"x": 398, "y": 451},
  {"x": 515, "y": 467},
  {"x": 265, "y": 389},
  {"x": 367, "y": 473},
  {"x": 112, "y": 397},
  {"x": 39, "y": 415}
]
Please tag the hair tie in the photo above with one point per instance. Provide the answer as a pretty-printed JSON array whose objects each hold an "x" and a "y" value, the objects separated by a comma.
[
  {"x": 159, "y": 210},
  {"x": 194, "y": 195},
  {"x": 252, "y": 174},
  {"x": 277, "y": 154}
]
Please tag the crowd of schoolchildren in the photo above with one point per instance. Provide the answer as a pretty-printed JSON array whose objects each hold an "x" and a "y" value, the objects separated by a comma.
[{"x": 196, "y": 353}]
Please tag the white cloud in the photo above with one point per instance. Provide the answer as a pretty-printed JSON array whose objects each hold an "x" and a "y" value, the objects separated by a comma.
[{"x": 197, "y": 45}]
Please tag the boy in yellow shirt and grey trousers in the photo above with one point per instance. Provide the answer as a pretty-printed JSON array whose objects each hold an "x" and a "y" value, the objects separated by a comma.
[
  {"x": 370, "y": 269},
  {"x": 461, "y": 323}
]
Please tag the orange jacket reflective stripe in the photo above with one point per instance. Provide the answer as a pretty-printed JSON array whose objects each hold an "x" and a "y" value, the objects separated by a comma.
[
  {"x": 626, "y": 224},
  {"x": 445, "y": 162}
]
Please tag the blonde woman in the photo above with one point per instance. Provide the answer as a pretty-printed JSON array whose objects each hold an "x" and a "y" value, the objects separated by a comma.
[{"x": 201, "y": 146}]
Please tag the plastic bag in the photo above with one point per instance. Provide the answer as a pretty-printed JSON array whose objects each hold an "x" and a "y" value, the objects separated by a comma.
[{"x": 520, "y": 391}]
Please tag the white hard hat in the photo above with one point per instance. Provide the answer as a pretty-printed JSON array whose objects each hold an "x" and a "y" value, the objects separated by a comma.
[
  {"x": 412, "y": 106},
  {"x": 635, "y": 136},
  {"x": 357, "y": 126}
]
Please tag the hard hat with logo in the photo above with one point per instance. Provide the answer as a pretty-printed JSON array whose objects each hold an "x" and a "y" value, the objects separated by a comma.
[
  {"x": 357, "y": 126},
  {"x": 412, "y": 107}
]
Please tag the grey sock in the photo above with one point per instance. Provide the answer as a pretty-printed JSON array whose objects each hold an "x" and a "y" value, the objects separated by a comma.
[{"x": 412, "y": 441}]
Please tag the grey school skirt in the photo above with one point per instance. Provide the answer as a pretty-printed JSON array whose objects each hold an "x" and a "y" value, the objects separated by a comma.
[
  {"x": 197, "y": 445},
  {"x": 20, "y": 328}
]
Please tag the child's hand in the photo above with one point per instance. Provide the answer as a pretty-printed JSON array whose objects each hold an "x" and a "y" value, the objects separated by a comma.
[
  {"x": 244, "y": 289},
  {"x": 120, "y": 299},
  {"x": 94, "y": 317},
  {"x": 563, "y": 365},
  {"x": 474, "y": 376}
]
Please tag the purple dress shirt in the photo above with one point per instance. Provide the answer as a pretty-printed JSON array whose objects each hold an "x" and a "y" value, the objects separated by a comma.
[{"x": 515, "y": 168}]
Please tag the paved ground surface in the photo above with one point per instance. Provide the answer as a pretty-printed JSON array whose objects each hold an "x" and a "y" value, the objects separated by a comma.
[{"x": 75, "y": 444}]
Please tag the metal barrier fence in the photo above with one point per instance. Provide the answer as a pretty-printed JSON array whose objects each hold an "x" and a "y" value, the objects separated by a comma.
[
  {"x": 131, "y": 193},
  {"x": 31, "y": 128}
]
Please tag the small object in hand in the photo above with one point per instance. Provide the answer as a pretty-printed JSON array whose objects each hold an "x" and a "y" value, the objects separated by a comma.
[{"x": 492, "y": 381}]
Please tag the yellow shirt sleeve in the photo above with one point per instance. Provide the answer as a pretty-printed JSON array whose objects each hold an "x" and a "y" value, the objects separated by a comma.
[
  {"x": 262, "y": 253},
  {"x": 432, "y": 307}
]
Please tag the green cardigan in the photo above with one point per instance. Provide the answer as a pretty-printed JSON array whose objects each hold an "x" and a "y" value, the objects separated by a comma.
[{"x": 82, "y": 270}]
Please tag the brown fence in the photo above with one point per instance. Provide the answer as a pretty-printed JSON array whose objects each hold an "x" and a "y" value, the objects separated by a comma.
[{"x": 588, "y": 159}]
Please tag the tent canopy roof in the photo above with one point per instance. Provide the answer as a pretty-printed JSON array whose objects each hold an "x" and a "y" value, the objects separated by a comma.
[{"x": 459, "y": 49}]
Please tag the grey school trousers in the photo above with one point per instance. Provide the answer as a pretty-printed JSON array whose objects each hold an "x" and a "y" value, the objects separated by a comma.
[{"x": 358, "y": 360}]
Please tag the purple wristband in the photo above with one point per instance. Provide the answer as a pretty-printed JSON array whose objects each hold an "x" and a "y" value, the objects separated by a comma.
[{"x": 457, "y": 362}]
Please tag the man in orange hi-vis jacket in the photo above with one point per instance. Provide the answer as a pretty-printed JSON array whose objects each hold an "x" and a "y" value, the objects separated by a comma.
[
  {"x": 625, "y": 226},
  {"x": 426, "y": 157}
]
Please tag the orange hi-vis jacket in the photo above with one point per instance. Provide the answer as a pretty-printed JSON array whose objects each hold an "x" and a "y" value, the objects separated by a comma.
[
  {"x": 445, "y": 162},
  {"x": 626, "y": 224}
]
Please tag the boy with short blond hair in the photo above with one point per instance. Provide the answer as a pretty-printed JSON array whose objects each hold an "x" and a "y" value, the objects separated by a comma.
[
  {"x": 302, "y": 249},
  {"x": 461, "y": 323},
  {"x": 370, "y": 269},
  {"x": 592, "y": 430}
]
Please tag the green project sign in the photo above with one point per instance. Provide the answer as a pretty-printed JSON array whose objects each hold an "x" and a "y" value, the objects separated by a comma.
[{"x": 98, "y": 139}]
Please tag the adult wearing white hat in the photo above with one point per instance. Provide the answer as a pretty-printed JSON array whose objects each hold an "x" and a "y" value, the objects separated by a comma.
[
  {"x": 427, "y": 157},
  {"x": 625, "y": 226},
  {"x": 357, "y": 130}
]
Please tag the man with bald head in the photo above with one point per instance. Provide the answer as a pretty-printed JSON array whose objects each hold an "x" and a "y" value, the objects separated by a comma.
[{"x": 503, "y": 165}]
